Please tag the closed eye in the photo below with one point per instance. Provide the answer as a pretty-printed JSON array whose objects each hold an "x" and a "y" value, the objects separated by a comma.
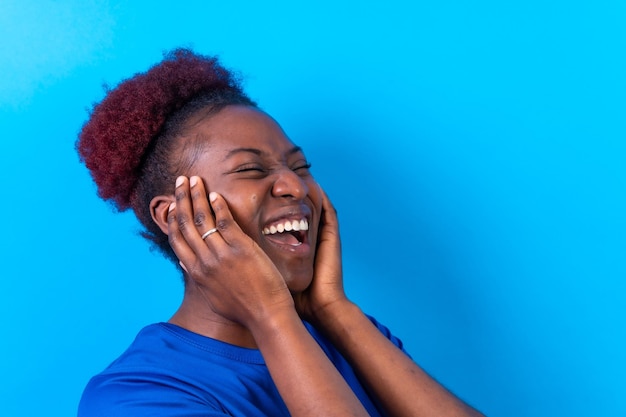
[
  {"x": 250, "y": 168},
  {"x": 251, "y": 171},
  {"x": 302, "y": 168}
]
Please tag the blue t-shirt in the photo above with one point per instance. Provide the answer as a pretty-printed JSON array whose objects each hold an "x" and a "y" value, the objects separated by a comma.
[{"x": 169, "y": 371}]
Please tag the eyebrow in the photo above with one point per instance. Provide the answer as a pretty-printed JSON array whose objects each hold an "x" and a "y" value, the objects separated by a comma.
[{"x": 256, "y": 151}]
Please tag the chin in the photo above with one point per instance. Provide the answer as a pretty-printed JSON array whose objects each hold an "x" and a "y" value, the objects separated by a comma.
[{"x": 297, "y": 283}]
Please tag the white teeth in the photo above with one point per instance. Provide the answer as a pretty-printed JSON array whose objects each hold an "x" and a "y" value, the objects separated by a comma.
[{"x": 287, "y": 226}]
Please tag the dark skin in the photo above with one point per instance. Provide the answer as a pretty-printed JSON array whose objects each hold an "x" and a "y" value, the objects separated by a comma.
[{"x": 251, "y": 288}]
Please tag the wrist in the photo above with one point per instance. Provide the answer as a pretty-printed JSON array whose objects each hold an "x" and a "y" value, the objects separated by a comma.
[
  {"x": 333, "y": 313},
  {"x": 273, "y": 322}
]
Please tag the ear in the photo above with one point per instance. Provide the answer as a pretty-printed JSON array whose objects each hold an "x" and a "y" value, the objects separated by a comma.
[{"x": 159, "y": 208}]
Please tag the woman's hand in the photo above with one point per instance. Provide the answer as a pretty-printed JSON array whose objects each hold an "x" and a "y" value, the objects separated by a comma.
[
  {"x": 326, "y": 290},
  {"x": 241, "y": 283},
  {"x": 237, "y": 279}
]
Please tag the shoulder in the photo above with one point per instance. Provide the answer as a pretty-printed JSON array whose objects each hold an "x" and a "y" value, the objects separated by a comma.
[
  {"x": 169, "y": 371},
  {"x": 124, "y": 395},
  {"x": 151, "y": 377}
]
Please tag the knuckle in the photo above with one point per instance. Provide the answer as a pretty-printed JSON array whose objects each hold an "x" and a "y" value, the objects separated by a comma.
[
  {"x": 222, "y": 224},
  {"x": 207, "y": 262},
  {"x": 183, "y": 222},
  {"x": 194, "y": 270},
  {"x": 224, "y": 259},
  {"x": 172, "y": 238},
  {"x": 199, "y": 218},
  {"x": 181, "y": 194},
  {"x": 217, "y": 207},
  {"x": 196, "y": 194}
]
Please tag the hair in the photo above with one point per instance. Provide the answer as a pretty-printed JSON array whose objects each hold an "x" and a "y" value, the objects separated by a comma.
[{"x": 132, "y": 142}]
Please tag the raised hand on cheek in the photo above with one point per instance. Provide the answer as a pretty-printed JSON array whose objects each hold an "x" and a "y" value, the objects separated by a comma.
[
  {"x": 327, "y": 285},
  {"x": 238, "y": 280}
]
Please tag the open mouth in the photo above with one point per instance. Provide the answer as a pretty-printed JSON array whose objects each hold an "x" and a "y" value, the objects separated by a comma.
[{"x": 287, "y": 232}]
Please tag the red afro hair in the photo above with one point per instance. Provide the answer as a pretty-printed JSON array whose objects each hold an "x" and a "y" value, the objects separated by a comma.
[
  {"x": 114, "y": 140},
  {"x": 131, "y": 142}
]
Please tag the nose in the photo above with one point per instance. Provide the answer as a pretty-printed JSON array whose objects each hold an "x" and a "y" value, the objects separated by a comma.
[{"x": 289, "y": 184}]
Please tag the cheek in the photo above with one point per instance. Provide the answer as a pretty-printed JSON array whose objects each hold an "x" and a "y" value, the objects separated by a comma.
[
  {"x": 244, "y": 211},
  {"x": 316, "y": 195},
  {"x": 316, "y": 198}
]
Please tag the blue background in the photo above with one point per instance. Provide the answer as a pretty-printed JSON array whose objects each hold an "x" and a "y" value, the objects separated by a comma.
[{"x": 474, "y": 150}]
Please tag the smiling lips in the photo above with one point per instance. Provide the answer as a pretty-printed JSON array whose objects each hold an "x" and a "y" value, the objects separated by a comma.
[{"x": 289, "y": 232}]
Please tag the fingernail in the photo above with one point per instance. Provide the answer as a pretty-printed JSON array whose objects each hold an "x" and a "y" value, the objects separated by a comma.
[
  {"x": 212, "y": 196},
  {"x": 182, "y": 266},
  {"x": 172, "y": 206},
  {"x": 180, "y": 180},
  {"x": 193, "y": 181}
]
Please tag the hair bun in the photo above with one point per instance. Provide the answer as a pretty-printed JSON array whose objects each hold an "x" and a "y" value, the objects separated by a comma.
[{"x": 113, "y": 141}]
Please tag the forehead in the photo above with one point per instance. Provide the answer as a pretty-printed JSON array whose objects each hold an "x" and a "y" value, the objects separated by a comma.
[{"x": 236, "y": 127}]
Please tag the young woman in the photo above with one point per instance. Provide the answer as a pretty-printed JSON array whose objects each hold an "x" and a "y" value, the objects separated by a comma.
[{"x": 265, "y": 328}]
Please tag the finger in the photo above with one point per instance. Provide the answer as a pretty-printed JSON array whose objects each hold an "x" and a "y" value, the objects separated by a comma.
[
  {"x": 329, "y": 213},
  {"x": 185, "y": 216},
  {"x": 224, "y": 221},
  {"x": 176, "y": 239},
  {"x": 202, "y": 216}
]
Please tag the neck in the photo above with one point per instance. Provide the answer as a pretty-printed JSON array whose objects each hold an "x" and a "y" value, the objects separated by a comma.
[{"x": 195, "y": 315}]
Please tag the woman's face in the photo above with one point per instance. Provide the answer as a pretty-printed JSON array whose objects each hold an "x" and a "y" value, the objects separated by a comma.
[{"x": 247, "y": 158}]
